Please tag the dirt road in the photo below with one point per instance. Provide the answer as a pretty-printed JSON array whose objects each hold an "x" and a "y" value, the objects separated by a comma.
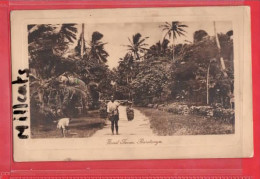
[{"x": 139, "y": 126}]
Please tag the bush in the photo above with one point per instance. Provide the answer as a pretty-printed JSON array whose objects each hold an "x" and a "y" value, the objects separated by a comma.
[
  {"x": 202, "y": 110},
  {"x": 177, "y": 109},
  {"x": 150, "y": 105},
  {"x": 155, "y": 106},
  {"x": 103, "y": 111},
  {"x": 161, "y": 107},
  {"x": 227, "y": 115}
]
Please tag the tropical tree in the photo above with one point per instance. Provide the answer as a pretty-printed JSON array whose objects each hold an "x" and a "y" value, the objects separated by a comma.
[
  {"x": 160, "y": 49},
  {"x": 137, "y": 45},
  {"x": 149, "y": 83},
  {"x": 126, "y": 67},
  {"x": 65, "y": 36},
  {"x": 47, "y": 44},
  {"x": 172, "y": 30},
  {"x": 199, "y": 35},
  {"x": 67, "y": 32},
  {"x": 97, "y": 50}
]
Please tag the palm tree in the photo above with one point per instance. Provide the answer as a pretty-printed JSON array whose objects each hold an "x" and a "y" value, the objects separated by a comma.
[
  {"x": 63, "y": 32},
  {"x": 47, "y": 43},
  {"x": 126, "y": 72},
  {"x": 51, "y": 37},
  {"x": 38, "y": 31},
  {"x": 65, "y": 36},
  {"x": 67, "y": 32},
  {"x": 172, "y": 30},
  {"x": 97, "y": 50},
  {"x": 126, "y": 66},
  {"x": 159, "y": 49},
  {"x": 137, "y": 45}
]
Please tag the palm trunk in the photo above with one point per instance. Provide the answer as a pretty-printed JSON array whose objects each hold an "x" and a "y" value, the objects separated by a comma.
[
  {"x": 137, "y": 56},
  {"x": 222, "y": 63},
  {"x": 82, "y": 42},
  {"x": 172, "y": 48},
  {"x": 127, "y": 79},
  {"x": 134, "y": 56}
]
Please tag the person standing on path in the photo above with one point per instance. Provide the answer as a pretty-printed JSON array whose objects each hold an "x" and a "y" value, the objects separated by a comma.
[{"x": 113, "y": 114}]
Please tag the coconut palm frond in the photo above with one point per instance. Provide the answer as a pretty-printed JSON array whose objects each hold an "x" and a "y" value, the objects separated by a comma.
[
  {"x": 183, "y": 25},
  {"x": 173, "y": 29},
  {"x": 136, "y": 45},
  {"x": 97, "y": 48},
  {"x": 136, "y": 38},
  {"x": 96, "y": 36}
]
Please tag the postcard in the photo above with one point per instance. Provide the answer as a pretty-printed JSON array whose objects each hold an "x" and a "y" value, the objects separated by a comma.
[{"x": 133, "y": 83}]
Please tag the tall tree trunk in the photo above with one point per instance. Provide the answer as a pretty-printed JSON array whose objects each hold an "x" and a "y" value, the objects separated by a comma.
[
  {"x": 172, "y": 48},
  {"x": 82, "y": 42},
  {"x": 137, "y": 56},
  {"x": 222, "y": 63}
]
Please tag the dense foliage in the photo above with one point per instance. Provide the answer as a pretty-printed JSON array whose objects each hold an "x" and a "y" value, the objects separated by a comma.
[
  {"x": 192, "y": 75},
  {"x": 65, "y": 81},
  {"x": 68, "y": 80}
]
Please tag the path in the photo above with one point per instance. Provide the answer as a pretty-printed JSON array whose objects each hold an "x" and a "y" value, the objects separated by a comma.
[{"x": 139, "y": 126}]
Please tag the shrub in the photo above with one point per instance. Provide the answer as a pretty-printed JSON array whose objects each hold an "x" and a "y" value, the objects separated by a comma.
[{"x": 227, "y": 115}]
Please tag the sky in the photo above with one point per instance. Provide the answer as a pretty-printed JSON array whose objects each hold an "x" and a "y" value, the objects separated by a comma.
[{"x": 116, "y": 34}]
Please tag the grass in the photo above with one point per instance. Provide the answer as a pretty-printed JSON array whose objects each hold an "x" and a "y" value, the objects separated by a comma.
[
  {"x": 78, "y": 128},
  {"x": 165, "y": 124}
]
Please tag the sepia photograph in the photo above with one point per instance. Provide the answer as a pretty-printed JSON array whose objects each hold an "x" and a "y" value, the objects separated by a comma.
[
  {"x": 164, "y": 79},
  {"x": 168, "y": 78}
]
